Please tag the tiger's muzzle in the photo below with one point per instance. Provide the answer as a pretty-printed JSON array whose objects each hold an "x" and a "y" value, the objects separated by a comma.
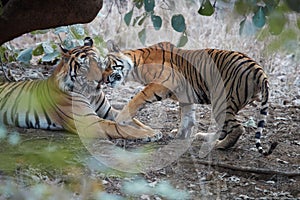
[{"x": 113, "y": 79}]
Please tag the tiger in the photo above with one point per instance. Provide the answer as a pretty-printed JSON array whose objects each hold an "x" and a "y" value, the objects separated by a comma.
[
  {"x": 70, "y": 99},
  {"x": 228, "y": 80}
]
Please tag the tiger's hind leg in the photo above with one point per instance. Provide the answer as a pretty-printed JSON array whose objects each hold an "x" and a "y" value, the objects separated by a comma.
[{"x": 229, "y": 134}]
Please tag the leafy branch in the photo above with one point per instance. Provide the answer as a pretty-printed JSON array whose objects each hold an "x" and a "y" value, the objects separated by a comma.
[{"x": 269, "y": 16}]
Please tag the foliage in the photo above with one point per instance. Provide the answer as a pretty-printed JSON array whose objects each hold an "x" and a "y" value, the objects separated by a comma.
[
  {"x": 258, "y": 15},
  {"x": 177, "y": 22},
  {"x": 265, "y": 17},
  {"x": 49, "y": 51},
  {"x": 206, "y": 8}
]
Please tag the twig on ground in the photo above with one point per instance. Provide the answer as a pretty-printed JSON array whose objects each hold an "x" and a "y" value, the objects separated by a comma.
[{"x": 247, "y": 169}]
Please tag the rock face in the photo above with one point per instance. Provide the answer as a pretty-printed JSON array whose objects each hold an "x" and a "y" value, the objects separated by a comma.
[{"x": 21, "y": 16}]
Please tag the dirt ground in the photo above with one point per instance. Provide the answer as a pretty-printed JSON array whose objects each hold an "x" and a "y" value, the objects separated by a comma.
[{"x": 239, "y": 173}]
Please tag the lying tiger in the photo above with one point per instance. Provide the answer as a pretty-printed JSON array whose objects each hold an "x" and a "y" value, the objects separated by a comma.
[
  {"x": 228, "y": 80},
  {"x": 70, "y": 99}
]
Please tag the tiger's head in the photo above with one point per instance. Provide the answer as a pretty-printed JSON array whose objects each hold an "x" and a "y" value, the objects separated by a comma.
[
  {"x": 117, "y": 66},
  {"x": 79, "y": 70}
]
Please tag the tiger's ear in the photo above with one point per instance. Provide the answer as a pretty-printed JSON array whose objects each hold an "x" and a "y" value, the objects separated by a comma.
[
  {"x": 112, "y": 46},
  {"x": 88, "y": 41}
]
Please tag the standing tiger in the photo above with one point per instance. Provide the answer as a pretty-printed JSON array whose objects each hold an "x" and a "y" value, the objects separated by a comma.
[
  {"x": 70, "y": 99},
  {"x": 228, "y": 80}
]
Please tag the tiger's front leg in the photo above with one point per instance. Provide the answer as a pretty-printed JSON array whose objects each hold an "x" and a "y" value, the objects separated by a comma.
[
  {"x": 151, "y": 93},
  {"x": 188, "y": 119}
]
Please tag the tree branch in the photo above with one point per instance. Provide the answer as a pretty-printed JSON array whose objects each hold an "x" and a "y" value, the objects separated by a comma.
[{"x": 22, "y": 16}]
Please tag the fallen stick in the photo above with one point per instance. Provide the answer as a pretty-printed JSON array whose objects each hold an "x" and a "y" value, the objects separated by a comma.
[{"x": 247, "y": 169}]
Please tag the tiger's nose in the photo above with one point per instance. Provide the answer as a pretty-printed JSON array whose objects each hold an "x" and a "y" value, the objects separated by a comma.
[{"x": 118, "y": 77}]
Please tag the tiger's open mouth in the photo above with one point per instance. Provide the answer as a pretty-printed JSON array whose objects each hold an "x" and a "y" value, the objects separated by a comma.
[
  {"x": 111, "y": 78},
  {"x": 99, "y": 85}
]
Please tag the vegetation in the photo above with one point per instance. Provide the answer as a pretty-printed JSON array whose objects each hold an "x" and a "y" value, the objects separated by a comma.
[{"x": 267, "y": 18}]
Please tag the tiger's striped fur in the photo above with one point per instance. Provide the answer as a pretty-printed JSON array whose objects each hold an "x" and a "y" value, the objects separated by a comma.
[
  {"x": 228, "y": 80},
  {"x": 70, "y": 99}
]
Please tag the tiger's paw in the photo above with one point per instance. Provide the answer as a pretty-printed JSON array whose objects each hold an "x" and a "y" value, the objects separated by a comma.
[
  {"x": 228, "y": 142},
  {"x": 158, "y": 135},
  {"x": 125, "y": 142},
  {"x": 139, "y": 131}
]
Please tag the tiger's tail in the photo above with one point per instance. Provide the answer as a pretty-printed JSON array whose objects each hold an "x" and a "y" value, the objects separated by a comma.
[{"x": 263, "y": 115}]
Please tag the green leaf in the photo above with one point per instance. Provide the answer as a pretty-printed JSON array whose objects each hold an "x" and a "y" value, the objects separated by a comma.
[
  {"x": 39, "y": 32},
  {"x": 287, "y": 40},
  {"x": 270, "y": 6},
  {"x": 259, "y": 18},
  {"x": 78, "y": 31},
  {"x": 99, "y": 41},
  {"x": 247, "y": 28},
  {"x": 241, "y": 7},
  {"x": 25, "y": 55},
  {"x": 142, "y": 36},
  {"x": 244, "y": 7},
  {"x": 48, "y": 57},
  {"x": 47, "y": 47},
  {"x": 62, "y": 29},
  {"x": 127, "y": 17},
  {"x": 206, "y": 8},
  {"x": 138, "y": 3},
  {"x": 242, "y": 24},
  {"x": 298, "y": 23},
  {"x": 149, "y": 5},
  {"x": 276, "y": 22},
  {"x": 272, "y": 3},
  {"x": 182, "y": 40},
  {"x": 100, "y": 44},
  {"x": 136, "y": 19},
  {"x": 2, "y": 54},
  {"x": 68, "y": 43},
  {"x": 39, "y": 50},
  {"x": 141, "y": 21},
  {"x": 178, "y": 23},
  {"x": 157, "y": 21}
]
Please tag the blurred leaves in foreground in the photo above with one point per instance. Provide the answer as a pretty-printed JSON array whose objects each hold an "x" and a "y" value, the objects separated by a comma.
[{"x": 37, "y": 165}]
